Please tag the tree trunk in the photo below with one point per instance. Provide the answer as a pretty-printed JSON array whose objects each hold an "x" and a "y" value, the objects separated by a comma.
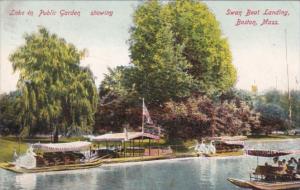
[{"x": 55, "y": 138}]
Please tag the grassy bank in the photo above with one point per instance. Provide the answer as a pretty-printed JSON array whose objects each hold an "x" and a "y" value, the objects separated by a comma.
[
  {"x": 9, "y": 144},
  {"x": 7, "y": 148}
]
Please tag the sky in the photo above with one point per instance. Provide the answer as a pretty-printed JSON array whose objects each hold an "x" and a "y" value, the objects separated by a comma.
[{"x": 259, "y": 52}]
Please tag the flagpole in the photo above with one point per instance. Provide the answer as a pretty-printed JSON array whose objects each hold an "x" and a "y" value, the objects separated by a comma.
[
  {"x": 143, "y": 116},
  {"x": 288, "y": 80}
]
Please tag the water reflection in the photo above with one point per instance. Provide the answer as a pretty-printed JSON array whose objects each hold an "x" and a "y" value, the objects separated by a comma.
[
  {"x": 26, "y": 181},
  {"x": 195, "y": 173}
]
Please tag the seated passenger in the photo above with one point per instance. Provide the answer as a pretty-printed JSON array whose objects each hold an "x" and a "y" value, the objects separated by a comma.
[
  {"x": 275, "y": 160},
  {"x": 290, "y": 162},
  {"x": 283, "y": 167},
  {"x": 298, "y": 166},
  {"x": 297, "y": 163},
  {"x": 290, "y": 166},
  {"x": 284, "y": 164}
]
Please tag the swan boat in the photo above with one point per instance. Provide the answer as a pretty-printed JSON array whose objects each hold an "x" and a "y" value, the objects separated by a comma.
[
  {"x": 54, "y": 157},
  {"x": 267, "y": 177}
]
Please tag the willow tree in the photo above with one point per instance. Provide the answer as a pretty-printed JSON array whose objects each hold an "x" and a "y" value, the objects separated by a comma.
[
  {"x": 194, "y": 28},
  {"x": 54, "y": 87}
]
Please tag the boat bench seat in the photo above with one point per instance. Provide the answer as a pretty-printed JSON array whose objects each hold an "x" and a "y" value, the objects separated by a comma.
[
  {"x": 273, "y": 172},
  {"x": 266, "y": 170}
]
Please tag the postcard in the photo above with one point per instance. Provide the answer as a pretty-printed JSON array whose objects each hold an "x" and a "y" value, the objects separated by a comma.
[{"x": 149, "y": 94}]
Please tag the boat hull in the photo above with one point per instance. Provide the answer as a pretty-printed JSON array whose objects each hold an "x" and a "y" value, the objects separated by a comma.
[
  {"x": 240, "y": 183},
  {"x": 86, "y": 165},
  {"x": 265, "y": 185}
]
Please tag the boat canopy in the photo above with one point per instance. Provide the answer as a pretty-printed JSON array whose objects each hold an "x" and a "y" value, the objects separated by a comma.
[
  {"x": 62, "y": 147},
  {"x": 242, "y": 143},
  {"x": 115, "y": 137},
  {"x": 228, "y": 138},
  {"x": 267, "y": 153}
]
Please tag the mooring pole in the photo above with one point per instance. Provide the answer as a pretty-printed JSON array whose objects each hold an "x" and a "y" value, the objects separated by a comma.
[{"x": 149, "y": 146}]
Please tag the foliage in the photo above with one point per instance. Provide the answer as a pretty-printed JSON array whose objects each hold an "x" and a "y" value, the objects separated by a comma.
[
  {"x": 54, "y": 88},
  {"x": 116, "y": 115},
  {"x": 119, "y": 101},
  {"x": 238, "y": 96},
  {"x": 272, "y": 118},
  {"x": 295, "y": 102},
  {"x": 118, "y": 83},
  {"x": 272, "y": 96},
  {"x": 281, "y": 100},
  {"x": 176, "y": 51},
  {"x": 199, "y": 116},
  {"x": 183, "y": 38},
  {"x": 161, "y": 69},
  {"x": 8, "y": 114}
]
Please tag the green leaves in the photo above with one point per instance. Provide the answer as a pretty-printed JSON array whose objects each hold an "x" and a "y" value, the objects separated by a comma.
[
  {"x": 179, "y": 49},
  {"x": 8, "y": 113},
  {"x": 176, "y": 50},
  {"x": 274, "y": 106},
  {"x": 54, "y": 88}
]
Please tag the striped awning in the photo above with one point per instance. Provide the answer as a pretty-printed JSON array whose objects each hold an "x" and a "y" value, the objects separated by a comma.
[{"x": 62, "y": 147}]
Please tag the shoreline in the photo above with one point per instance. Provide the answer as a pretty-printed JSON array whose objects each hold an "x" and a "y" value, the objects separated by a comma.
[
  {"x": 171, "y": 159},
  {"x": 149, "y": 161},
  {"x": 137, "y": 160}
]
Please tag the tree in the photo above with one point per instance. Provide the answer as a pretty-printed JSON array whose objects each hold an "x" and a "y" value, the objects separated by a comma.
[
  {"x": 176, "y": 51},
  {"x": 188, "y": 31},
  {"x": 273, "y": 97},
  {"x": 9, "y": 113},
  {"x": 118, "y": 83},
  {"x": 295, "y": 100},
  {"x": 238, "y": 96},
  {"x": 272, "y": 118},
  {"x": 280, "y": 99},
  {"x": 54, "y": 87},
  {"x": 161, "y": 68},
  {"x": 198, "y": 117},
  {"x": 119, "y": 103}
]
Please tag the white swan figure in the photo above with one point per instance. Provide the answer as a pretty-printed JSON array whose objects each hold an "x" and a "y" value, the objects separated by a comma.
[
  {"x": 28, "y": 160},
  {"x": 211, "y": 148},
  {"x": 196, "y": 146},
  {"x": 15, "y": 155},
  {"x": 201, "y": 148}
]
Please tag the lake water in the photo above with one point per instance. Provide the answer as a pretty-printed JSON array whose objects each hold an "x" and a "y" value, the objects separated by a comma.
[{"x": 178, "y": 174}]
